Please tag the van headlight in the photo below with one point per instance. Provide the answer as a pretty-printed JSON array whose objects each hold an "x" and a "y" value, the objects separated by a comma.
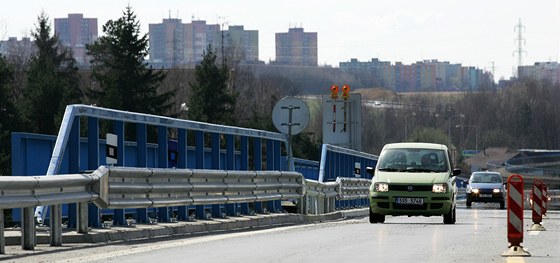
[
  {"x": 381, "y": 187},
  {"x": 439, "y": 188}
]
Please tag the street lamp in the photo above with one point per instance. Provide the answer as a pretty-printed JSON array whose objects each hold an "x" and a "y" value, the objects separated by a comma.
[
  {"x": 405, "y": 123},
  {"x": 449, "y": 118},
  {"x": 475, "y": 136}
]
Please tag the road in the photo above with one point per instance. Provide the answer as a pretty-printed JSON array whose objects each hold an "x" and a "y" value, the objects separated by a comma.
[{"x": 479, "y": 235}]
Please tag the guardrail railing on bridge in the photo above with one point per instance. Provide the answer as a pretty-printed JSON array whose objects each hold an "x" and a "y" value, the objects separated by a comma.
[
  {"x": 235, "y": 156},
  {"x": 128, "y": 187},
  {"x": 120, "y": 187}
]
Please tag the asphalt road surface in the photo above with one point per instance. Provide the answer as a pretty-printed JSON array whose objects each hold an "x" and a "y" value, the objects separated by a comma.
[{"x": 480, "y": 235}]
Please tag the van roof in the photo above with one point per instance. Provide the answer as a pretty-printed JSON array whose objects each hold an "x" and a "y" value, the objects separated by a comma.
[{"x": 418, "y": 145}]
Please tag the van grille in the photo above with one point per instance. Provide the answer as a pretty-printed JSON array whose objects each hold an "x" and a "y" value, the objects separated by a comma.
[{"x": 415, "y": 188}]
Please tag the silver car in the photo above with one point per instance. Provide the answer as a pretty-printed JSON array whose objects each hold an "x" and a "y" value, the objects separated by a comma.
[{"x": 487, "y": 187}]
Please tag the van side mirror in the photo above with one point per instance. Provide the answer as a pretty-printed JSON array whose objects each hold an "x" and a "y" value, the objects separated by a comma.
[
  {"x": 456, "y": 171},
  {"x": 370, "y": 170}
]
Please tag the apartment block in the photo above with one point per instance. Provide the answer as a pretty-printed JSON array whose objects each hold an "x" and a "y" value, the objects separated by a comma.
[
  {"x": 549, "y": 71},
  {"x": 238, "y": 45},
  {"x": 296, "y": 48},
  {"x": 174, "y": 44},
  {"x": 76, "y": 32},
  {"x": 427, "y": 75}
]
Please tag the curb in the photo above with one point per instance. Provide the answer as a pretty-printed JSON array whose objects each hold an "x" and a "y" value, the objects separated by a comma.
[{"x": 145, "y": 231}]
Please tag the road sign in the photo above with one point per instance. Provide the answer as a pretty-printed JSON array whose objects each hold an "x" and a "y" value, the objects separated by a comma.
[{"x": 290, "y": 115}]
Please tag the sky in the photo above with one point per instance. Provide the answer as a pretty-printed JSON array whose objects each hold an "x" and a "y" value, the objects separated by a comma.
[{"x": 477, "y": 33}]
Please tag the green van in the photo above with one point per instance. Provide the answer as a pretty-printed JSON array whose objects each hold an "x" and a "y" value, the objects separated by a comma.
[{"x": 413, "y": 179}]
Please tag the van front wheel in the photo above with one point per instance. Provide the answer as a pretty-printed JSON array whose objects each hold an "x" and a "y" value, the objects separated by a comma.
[
  {"x": 449, "y": 218},
  {"x": 376, "y": 218}
]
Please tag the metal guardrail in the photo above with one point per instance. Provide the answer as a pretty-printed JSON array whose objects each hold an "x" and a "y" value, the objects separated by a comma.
[
  {"x": 27, "y": 192},
  {"x": 95, "y": 113},
  {"x": 158, "y": 187},
  {"x": 319, "y": 197},
  {"x": 120, "y": 187},
  {"x": 353, "y": 188},
  {"x": 126, "y": 187}
]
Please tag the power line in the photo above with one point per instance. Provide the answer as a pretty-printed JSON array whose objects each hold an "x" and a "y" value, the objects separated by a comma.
[{"x": 520, "y": 41}]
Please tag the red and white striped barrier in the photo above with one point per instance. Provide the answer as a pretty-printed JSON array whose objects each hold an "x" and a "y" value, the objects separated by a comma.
[
  {"x": 545, "y": 199},
  {"x": 537, "y": 205},
  {"x": 515, "y": 217}
]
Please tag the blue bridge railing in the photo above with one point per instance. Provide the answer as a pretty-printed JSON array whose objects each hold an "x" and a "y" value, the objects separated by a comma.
[
  {"x": 229, "y": 148},
  {"x": 163, "y": 142}
]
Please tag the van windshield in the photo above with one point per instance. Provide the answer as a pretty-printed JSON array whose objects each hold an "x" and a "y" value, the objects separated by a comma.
[{"x": 413, "y": 160}]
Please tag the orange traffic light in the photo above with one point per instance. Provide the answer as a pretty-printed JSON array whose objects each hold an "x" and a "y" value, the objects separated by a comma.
[
  {"x": 346, "y": 91},
  {"x": 334, "y": 92}
]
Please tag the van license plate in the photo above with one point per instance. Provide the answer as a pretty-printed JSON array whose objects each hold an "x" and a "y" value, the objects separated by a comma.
[{"x": 409, "y": 201}]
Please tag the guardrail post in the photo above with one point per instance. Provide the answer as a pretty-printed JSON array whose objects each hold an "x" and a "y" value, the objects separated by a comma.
[
  {"x": 244, "y": 166},
  {"x": 199, "y": 154},
  {"x": 28, "y": 228},
  {"x": 73, "y": 165},
  {"x": 320, "y": 205},
  {"x": 142, "y": 155},
  {"x": 93, "y": 163},
  {"x": 270, "y": 161},
  {"x": 328, "y": 207},
  {"x": 2, "y": 240},
  {"x": 163, "y": 212},
  {"x": 303, "y": 205},
  {"x": 231, "y": 209},
  {"x": 82, "y": 220},
  {"x": 182, "y": 211},
  {"x": 119, "y": 218},
  {"x": 56, "y": 225},
  {"x": 277, "y": 204},
  {"x": 216, "y": 209}
]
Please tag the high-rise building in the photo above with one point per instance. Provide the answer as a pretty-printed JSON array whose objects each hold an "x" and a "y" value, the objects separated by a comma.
[
  {"x": 167, "y": 43},
  {"x": 174, "y": 44},
  {"x": 238, "y": 45},
  {"x": 296, "y": 48},
  {"x": 76, "y": 32}
]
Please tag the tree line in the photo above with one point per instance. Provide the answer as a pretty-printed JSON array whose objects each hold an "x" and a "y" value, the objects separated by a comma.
[{"x": 35, "y": 92}]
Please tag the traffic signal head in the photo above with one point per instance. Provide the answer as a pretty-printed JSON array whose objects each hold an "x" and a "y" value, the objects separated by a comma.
[
  {"x": 345, "y": 91},
  {"x": 334, "y": 92}
]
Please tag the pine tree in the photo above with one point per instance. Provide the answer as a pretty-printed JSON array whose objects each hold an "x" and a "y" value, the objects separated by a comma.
[
  {"x": 8, "y": 116},
  {"x": 124, "y": 80},
  {"x": 211, "y": 100},
  {"x": 53, "y": 82}
]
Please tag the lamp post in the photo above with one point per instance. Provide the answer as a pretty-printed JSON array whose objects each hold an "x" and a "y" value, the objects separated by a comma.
[
  {"x": 475, "y": 135},
  {"x": 449, "y": 125},
  {"x": 405, "y": 123}
]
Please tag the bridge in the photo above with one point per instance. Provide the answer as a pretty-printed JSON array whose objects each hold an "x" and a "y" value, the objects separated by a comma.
[
  {"x": 192, "y": 178},
  {"x": 205, "y": 171}
]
